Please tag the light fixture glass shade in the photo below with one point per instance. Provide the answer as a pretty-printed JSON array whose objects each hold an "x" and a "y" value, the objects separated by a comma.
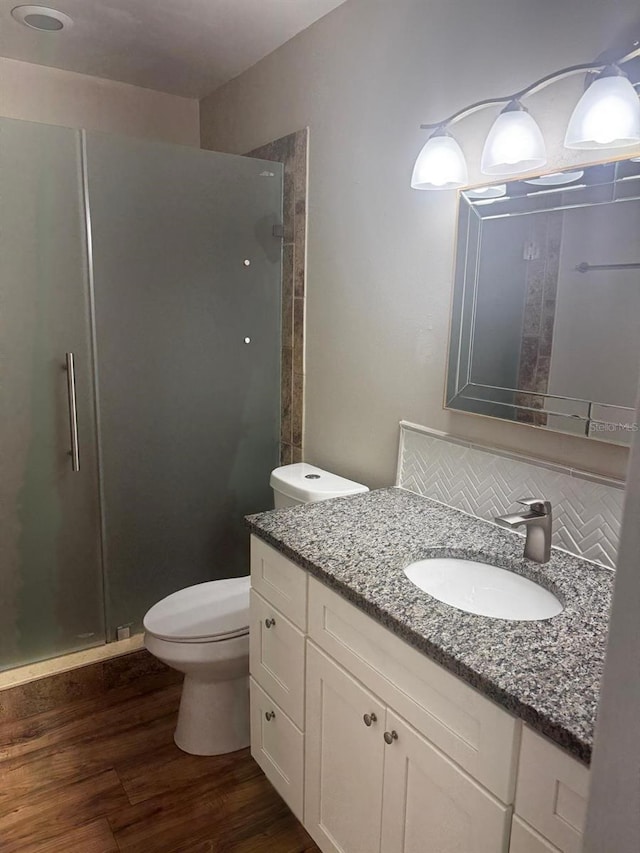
[
  {"x": 440, "y": 165},
  {"x": 514, "y": 144},
  {"x": 556, "y": 179},
  {"x": 606, "y": 116},
  {"x": 494, "y": 191}
]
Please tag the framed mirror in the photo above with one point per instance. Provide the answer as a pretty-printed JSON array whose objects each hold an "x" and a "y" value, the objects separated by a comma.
[{"x": 545, "y": 325}]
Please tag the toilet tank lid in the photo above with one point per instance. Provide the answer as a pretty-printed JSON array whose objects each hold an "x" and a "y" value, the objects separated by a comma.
[
  {"x": 308, "y": 483},
  {"x": 215, "y": 610}
]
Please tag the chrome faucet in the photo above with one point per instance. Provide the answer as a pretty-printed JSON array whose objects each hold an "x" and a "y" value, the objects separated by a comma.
[{"x": 538, "y": 523}]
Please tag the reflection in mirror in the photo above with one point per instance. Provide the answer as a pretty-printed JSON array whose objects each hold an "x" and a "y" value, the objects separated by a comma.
[{"x": 545, "y": 326}]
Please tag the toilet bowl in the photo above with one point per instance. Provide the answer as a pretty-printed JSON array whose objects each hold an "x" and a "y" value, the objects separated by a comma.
[{"x": 203, "y": 631}]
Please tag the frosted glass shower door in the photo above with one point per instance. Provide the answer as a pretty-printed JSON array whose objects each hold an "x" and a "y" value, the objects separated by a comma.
[
  {"x": 51, "y": 598},
  {"x": 187, "y": 276}
]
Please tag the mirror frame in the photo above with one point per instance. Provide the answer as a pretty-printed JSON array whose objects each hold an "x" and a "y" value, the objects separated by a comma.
[{"x": 587, "y": 420}]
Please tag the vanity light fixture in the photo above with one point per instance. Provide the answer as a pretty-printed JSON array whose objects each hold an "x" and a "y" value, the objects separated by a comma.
[
  {"x": 514, "y": 144},
  {"x": 606, "y": 116},
  {"x": 440, "y": 164}
]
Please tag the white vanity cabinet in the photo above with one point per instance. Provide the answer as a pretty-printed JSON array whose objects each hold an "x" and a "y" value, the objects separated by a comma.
[
  {"x": 382, "y": 759},
  {"x": 374, "y": 784},
  {"x": 377, "y": 749},
  {"x": 278, "y": 621}
]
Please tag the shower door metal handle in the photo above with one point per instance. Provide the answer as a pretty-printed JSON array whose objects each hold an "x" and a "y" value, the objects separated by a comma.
[{"x": 73, "y": 411}]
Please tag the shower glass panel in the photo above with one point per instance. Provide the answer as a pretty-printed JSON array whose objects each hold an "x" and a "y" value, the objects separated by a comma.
[
  {"x": 187, "y": 277},
  {"x": 51, "y": 599}
]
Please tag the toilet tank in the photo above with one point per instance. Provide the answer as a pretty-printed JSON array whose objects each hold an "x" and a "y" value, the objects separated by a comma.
[{"x": 301, "y": 483}]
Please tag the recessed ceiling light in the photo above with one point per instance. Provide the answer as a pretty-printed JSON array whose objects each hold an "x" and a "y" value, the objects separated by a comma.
[{"x": 41, "y": 18}]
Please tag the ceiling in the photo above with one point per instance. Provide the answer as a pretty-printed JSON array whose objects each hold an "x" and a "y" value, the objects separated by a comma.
[{"x": 185, "y": 47}]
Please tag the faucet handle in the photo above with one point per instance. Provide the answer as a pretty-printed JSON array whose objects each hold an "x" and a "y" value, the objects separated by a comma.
[{"x": 537, "y": 505}]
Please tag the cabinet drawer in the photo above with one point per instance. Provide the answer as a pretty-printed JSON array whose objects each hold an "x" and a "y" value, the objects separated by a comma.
[
  {"x": 278, "y": 747},
  {"x": 524, "y": 839},
  {"x": 279, "y": 581},
  {"x": 473, "y": 731},
  {"x": 276, "y": 657},
  {"x": 552, "y": 791}
]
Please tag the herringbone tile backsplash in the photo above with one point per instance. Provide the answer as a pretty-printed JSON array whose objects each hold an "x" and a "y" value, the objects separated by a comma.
[{"x": 587, "y": 510}]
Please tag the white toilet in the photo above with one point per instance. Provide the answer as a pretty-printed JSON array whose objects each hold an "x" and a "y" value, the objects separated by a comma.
[
  {"x": 203, "y": 631},
  {"x": 303, "y": 484}
]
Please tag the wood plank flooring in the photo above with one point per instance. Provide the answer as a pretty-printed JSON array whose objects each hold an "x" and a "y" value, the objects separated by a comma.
[{"x": 103, "y": 775}]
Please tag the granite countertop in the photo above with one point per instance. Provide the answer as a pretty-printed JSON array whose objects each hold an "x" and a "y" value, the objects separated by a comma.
[{"x": 546, "y": 672}]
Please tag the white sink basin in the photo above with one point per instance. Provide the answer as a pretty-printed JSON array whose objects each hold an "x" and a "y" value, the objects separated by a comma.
[{"x": 483, "y": 589}]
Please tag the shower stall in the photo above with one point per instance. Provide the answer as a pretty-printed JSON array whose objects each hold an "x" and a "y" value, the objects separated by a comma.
[{"x": 139, "y": 377}]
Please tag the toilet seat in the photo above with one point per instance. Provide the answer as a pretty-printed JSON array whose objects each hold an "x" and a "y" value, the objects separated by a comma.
[{"x": 205, "y": 613}]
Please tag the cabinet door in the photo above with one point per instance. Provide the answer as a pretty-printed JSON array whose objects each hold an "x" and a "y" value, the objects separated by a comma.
[
  {"x": 431, "y": 805},
  {"x": 50, "y": 565},
  {"x": 344, "y": 759}
]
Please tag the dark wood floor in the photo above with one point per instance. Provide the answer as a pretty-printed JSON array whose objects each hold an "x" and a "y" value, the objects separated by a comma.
[{"x": 103, "y": 776}]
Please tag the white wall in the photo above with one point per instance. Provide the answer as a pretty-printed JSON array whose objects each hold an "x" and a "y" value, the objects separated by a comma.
[
  {"x": 380, "y": 255},
  {"x": 37, "y": 93},
  {"x": 613, "y": 821}
]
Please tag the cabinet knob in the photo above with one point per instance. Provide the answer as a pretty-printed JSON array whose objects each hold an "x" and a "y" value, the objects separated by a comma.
[
  {"x": 389, "y": 737},
  {"x": 269, "y": 622},
  {"x": 369, "y": 718},
  {"x": 270, "y": 715}
]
